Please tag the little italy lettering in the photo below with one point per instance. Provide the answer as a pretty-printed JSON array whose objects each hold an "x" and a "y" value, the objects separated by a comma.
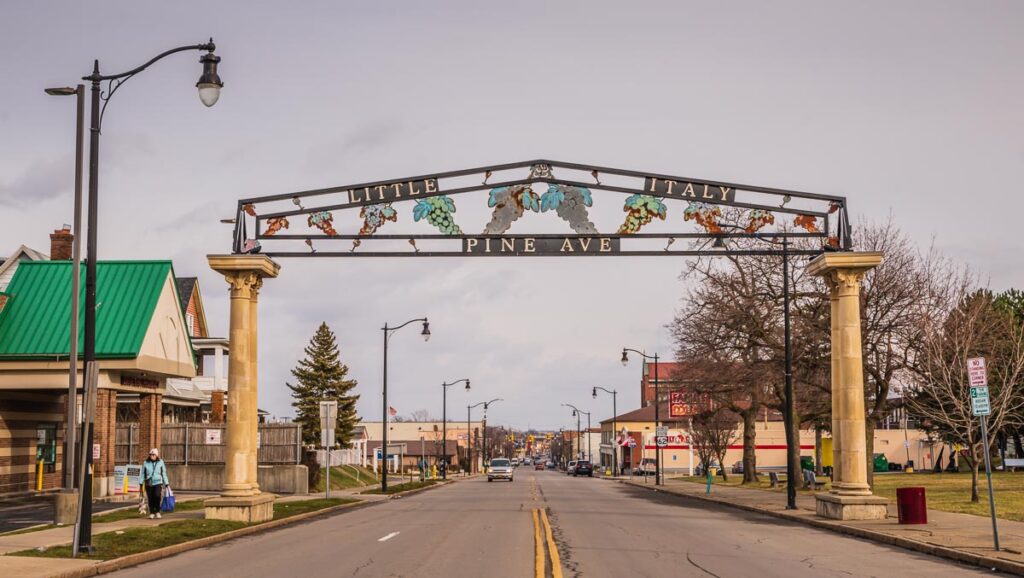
[
  {"x": 514, "y": 246},
  {"x": 389, "y": 192},
  {"x": 682, "y": 189}
]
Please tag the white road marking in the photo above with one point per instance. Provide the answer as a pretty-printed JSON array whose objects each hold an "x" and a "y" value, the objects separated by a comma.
[{"x": 388, "y": 537}]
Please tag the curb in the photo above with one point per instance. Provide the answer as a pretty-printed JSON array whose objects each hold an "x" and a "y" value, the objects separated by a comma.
[
  {"x": 108, "y": 566},
  {"x": 410, "y": 492},
  {"x": 1000, "y": 564}
]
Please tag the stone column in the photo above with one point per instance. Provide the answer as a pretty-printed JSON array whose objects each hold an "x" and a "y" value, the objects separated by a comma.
[
  {"x": 241, "y": 499},
  {"x": 253, "y": 390},
  {"x": 850, "y": 498}
]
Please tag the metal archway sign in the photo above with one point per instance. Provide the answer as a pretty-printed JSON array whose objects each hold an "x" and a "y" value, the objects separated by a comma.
[{"x": 712, "y": 211}]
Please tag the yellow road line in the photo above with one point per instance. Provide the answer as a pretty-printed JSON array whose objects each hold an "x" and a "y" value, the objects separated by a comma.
[
  {"x": 538, "y": 546},
  {"x": 556, "y": 561}
]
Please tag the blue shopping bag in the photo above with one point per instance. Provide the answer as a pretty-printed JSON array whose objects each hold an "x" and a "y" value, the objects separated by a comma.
[{"x": 167, "y": 503}]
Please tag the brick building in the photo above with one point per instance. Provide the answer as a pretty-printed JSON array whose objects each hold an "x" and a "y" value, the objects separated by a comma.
[{"x": 141, "y": 342}]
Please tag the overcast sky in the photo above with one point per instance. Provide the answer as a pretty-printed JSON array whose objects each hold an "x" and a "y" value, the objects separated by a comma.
[{"x": 909, "y": 109}]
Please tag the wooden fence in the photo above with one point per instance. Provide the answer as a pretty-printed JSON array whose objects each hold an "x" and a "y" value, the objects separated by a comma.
[{"x": 203, "y": 443}]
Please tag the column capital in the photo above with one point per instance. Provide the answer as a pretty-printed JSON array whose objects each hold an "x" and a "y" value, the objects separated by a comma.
[
  {"x": 843, "y": 272},
  {"x": 261, "y": 265}
]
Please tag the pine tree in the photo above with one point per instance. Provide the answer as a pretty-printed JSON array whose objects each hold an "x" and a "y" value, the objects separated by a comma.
[{"x": 321, "y": 377}]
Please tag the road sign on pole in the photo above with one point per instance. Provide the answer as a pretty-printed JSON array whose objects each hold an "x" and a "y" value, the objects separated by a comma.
[
  {"x": 977, "y": 377},
  {"x": 980, "y": 405}
]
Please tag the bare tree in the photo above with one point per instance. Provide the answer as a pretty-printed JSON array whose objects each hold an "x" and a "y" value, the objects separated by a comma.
[
  {"x": 940, "y": 395},
  {"x": 713, "y": 432}
]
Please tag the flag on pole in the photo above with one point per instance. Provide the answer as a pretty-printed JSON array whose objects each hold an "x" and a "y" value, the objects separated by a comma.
[{"x": 392, "y": 411}]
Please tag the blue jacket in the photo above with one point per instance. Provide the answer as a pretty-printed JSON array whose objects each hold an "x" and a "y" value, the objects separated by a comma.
[{"x": 154, "y": 473}]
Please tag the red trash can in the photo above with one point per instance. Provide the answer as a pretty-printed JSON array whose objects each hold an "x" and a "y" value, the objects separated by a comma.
[{"x": 912, "y": 506}]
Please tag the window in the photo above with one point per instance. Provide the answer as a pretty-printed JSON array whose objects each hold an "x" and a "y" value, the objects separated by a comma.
[
  {"x": 190, "y": 324},
  {"x": 46, "y": 446}
]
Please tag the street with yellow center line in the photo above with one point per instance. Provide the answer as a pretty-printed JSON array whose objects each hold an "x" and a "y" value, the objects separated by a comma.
[{"x": 573, "y": 526}]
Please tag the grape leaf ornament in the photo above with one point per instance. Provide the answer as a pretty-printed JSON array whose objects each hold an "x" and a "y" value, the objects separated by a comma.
[
  {"x": 759, "y": 219},
  {"x": 322, "y": 220},
  {"x": 641, "y": 210},
  {"x": 374, "y": 216},
  {"x": 276, "y": 224},
  {"x": 705, "y": 215},
  {"x": 438, "y": 212},
  {"x": 509, "y": 204},
  {"x": 570, "y": 203}
]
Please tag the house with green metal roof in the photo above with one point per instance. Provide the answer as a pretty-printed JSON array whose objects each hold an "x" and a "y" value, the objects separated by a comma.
[{"x": 142, "y": 340}]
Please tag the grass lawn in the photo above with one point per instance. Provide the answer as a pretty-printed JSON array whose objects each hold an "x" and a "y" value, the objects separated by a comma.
[
  {"x": 111, "y": 545},
  {"x": 115, "y": 516},
  {"x": 344, "y": 477},
  {"x": 952, "y": 492},
  {"x": 944, "y": 492},
  {"x": 395, "y": 488},
  {"x": 288, "y": 509},
  {"x": 133, "y": 512}
]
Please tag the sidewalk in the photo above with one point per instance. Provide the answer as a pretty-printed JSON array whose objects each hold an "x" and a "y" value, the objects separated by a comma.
[
  {"x": 963, "y": 537},
  {"x": 29, "y": 567}
]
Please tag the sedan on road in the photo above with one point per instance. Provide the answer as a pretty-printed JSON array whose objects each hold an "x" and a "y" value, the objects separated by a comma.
[
  {"x": 501, "y": 469},
  {"x": 583, "y": 468},
  {"x": 538, "y": 466}
]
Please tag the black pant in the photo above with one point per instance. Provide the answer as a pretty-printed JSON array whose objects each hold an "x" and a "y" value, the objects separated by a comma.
[{"x": 154, "y": 494}]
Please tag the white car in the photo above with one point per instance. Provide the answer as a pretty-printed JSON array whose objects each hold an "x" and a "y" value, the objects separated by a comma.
[{"x": 501, "y": 469}]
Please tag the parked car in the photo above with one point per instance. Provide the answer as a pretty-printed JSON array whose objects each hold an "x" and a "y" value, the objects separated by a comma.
[
  {"x": 550, "y": 465},
  {"x": 737, "y": 468},
  {"x": 515, "y": 462},
  {"x": 538, "y": 466},
  {"x": 583, "y": 468},
  {"x": 501, "y": 469},
  {"x": 570, "y": 468}
]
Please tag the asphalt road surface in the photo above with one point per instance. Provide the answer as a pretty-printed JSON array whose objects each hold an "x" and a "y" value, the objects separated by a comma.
[{"x": 602, "y": 529}]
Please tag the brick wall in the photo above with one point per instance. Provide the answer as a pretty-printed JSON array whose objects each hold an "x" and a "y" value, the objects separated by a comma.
[
  {"x": 150, "y": 418},
  {"x": 20, "y": 416},
  {"x": 105, "y": 426},
  {"x": 217, "y": 407}
]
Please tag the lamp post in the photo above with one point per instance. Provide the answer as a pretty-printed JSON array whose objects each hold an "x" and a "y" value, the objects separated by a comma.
[
  {"x": 209, "y": 86},
  {"x": 444, "y": 425},
  {"x": 789, "y": 407},
  {"x": 657, "y": 405},
  {"x": 469, "y": 434},
  {"x": 576, "y": 413},
  {"x": 483, "y": 424},
  {"x": 76, "y": 250},
  {"x": 615, "y": 412},
  {"x": 388, "y": 331}
]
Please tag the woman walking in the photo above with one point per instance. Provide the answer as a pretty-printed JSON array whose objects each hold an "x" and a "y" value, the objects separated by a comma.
[{"x": 154, "y": 478}]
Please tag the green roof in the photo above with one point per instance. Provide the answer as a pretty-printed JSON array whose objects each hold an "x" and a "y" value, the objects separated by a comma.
[{"x": 35, "y": 322}]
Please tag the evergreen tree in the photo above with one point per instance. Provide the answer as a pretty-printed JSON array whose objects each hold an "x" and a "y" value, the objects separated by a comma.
[{"x": 321, "y": 377}]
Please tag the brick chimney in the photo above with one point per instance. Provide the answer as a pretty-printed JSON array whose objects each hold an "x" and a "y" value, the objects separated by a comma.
[{"x": 60, "y": 244}]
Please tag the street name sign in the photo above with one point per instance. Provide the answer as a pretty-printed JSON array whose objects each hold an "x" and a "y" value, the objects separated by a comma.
[{"x": 979, "y": 401}]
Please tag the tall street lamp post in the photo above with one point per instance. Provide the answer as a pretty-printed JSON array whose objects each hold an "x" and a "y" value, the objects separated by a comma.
[
  {"x": 615, "y": 412},
  {"x": 657, "y": 405},
  {"x": 388, "y": 331},
  {"x": 483, "y": 424},
  {"x": 469, "y": 434},
  {"x": 76, "y": 257},
  {"x": 444, "y": 425},
  {"x": 576, "y": 412},
  {"x": 209, "y": 86}
]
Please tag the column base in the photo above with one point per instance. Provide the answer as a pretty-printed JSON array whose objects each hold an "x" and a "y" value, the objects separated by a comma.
[
  {"x": 248, "y": 509},
  {"x": 837, "y": 507}
]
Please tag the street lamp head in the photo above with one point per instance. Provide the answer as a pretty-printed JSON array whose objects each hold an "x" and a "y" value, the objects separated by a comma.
[
  {"x": 594, "y": 393},
  {"x": 719, "y": 244},
  {"x": 61, "y": 91},
  {"x": 426, "y": 330},
  {"x": 209, "y": 84},
  {"x": 574, "y": 413},
  {"x": 625, "y": 358},
  {"x": 467, "y": 385}
]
